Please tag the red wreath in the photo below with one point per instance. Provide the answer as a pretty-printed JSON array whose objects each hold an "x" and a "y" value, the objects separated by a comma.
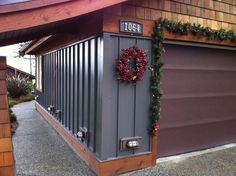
[{"x": 132, "y": 73}]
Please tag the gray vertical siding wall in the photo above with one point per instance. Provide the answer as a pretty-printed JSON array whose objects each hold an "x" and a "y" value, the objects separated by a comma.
[
  {"x": 81, "y": 81},
  {"x": 70, "y": 79},
  {"x": 125, "y": 106}
]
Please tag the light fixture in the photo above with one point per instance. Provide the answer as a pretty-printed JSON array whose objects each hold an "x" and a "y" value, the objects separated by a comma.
[
  {"x": 129, "y": 143},
  {"x": 51, "y": 108},
  {"x": 82, "y": 134},
  {"x": 132, "y": 144}
]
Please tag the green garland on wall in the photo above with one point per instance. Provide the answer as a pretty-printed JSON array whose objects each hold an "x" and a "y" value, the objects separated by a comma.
[{"x": 158, "y": 38}]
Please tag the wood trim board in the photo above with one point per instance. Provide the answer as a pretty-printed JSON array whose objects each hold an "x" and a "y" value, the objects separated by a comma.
[{"x": 111, "y": 24}]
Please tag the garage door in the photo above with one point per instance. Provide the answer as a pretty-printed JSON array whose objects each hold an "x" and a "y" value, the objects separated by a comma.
[{"x": 199, "y": 102}]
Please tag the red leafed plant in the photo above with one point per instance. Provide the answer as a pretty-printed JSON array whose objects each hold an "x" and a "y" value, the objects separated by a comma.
[{"x": 132, "y": 64}]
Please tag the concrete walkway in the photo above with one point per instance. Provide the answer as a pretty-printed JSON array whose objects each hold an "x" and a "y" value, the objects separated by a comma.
[{"x": 40, "y": 151}]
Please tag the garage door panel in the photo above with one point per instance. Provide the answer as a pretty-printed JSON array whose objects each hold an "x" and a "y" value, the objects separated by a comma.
[
  {"x": 198, "y": 82},
  {"x": 186, "y": 111},
  {"x": 184, "y": 139},
  {"x": 199, "y": 102},
  {"x": 198, "y": 57}
]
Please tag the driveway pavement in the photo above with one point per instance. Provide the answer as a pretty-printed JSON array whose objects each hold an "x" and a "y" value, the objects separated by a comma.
[
  {"x": 217, "y": 163},
  {"x": 40, "y": 151}
]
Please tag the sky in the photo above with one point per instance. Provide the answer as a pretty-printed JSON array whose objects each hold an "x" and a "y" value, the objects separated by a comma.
[{"x": 11, "y": 52}]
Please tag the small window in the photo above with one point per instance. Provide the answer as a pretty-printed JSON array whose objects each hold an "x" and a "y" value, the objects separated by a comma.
[{"x": 39, "y": 73}]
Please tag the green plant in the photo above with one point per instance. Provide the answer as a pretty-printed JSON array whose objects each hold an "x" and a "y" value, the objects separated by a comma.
[
  {"x": 12, "y": 102},
  {"x": 13, "y": 118},
  {"x": 197, "y": 29},
  {"x": 28, "y": 88},
  {"x": 10, "y": 111},
  {"x": 18, "y": 86},
  {"x": 28, "y": 97}
]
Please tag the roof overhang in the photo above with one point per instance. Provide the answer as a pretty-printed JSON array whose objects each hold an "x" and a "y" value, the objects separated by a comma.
[{"x": 35, "y": 19}]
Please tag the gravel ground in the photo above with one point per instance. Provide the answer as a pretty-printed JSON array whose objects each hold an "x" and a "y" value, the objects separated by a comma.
[
  {"x": 40, "y": 151},
  {"x": 219, "y": 163}
]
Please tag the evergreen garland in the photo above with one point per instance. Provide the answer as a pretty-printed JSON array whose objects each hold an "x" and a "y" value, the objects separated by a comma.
[{"x": 158, "y": 49}]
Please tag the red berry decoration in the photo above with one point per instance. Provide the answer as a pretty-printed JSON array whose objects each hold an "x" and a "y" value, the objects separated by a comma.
[
  {"x": 156, "y": 128},
  {"x": 132, "y": 64}
]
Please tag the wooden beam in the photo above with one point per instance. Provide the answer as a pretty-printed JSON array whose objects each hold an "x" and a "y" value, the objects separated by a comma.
[
  {"x": 28, "y": 5},
  {"x": 92, "y": 26},
  {"x": 196, "y": 39},
  {"x": 125, "y": 164},
  {"x": 50, "y": 14},
  {"x": 36, "y": 44},
  {"x": 154, "y": 149}
]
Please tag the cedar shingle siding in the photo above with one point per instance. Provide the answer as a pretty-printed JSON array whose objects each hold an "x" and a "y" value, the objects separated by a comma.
[
  {"x": 6, "y": 148},
  {"x": 214, "y": 14}
]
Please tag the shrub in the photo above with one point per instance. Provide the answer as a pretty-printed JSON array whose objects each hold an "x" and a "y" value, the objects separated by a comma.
[
  {"x": 13, "y": 118},
  {"x": 18, "y": 86},
  {"x": 12, "y": 102},
  {"x": 10, "y": 111},
  {"x": 28, "y": 97},
  {"x": 29, "y": 87}
]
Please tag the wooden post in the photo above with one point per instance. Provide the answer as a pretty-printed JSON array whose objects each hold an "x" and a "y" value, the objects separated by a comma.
[
  {"x": 7, "y": 163},
  {"x": 154, "y": 148}
]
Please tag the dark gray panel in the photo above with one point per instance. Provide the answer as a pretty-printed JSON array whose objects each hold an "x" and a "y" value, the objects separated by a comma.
[
  {"x": 65, "y": 87},
  {"x": 99, "y": 86},
  {"x": 56, "y": 81},
  {"x": 73, "y": 84},
  {"x": 142, "y": 107},
  {"x": 68, "y": 59},
  {"x": 72, "y": 58},
  {"x": 76, "y": 88},
  {"x": 86, "y": 88},
  {"x": 54, "y": 78},
  {"x": 50, "y": 95},
  {"x": 81, "y": 103},
  {"x": 62, "y": 85},
  {"x": 48, "y": 82},
  {"x": 59, "y": 94},
  {"x": 92, "y": 94},
  {"x": 110, "y": 99},
  {"x": 126, "y": 104}
]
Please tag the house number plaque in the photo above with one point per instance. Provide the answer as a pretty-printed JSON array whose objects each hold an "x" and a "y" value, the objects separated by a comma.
[{"x": 131, "y": 27}]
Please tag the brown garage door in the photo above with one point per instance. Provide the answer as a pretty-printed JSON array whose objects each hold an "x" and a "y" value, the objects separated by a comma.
[{"x": 199, "y": 102}]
